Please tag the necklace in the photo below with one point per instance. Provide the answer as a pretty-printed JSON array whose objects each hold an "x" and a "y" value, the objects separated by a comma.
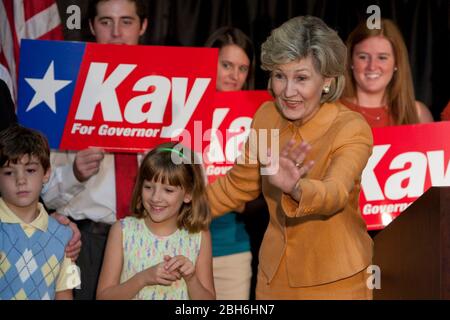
[
  {"x": 376, "y": 113},
  {"x": 373, "y": 113}
]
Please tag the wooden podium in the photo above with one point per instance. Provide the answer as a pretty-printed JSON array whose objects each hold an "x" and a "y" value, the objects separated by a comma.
[{"x": 413, "y": 252}]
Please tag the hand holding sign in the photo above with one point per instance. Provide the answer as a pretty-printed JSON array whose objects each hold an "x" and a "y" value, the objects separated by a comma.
[{"x": 87, "y": 163}]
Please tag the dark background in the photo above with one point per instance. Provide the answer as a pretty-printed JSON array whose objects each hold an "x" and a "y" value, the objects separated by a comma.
[{"x": 424, "y": 24}]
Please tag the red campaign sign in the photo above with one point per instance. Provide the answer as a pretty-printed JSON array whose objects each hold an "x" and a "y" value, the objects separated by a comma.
[
  {"x": 406, "y": 161},
  {"x": 229, "y": 127},
  {"x": 131, "y": 98}
]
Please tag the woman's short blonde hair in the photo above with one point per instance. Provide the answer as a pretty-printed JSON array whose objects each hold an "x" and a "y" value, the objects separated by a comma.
[{"x": 305, "y": 36}]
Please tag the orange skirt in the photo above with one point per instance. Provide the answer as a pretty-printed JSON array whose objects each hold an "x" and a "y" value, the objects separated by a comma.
[{"x": 351, "y": 288}]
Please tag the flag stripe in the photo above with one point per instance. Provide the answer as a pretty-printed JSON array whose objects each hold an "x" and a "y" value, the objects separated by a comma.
[
  {"x": 30, "y": 19},
  {"x": 55, "y": 34},
  {"x": 7, "y": 43},
  {"x": 19, "y": 19},
  {"x": 31, "y": 7},
  {"x": 42, "y": 22}
]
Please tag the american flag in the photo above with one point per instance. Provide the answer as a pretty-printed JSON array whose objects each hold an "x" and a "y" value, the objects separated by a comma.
[{"x": 24, "y": 19}]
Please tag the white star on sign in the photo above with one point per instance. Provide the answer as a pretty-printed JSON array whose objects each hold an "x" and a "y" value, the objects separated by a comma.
[{"x": 45, "y": 89}]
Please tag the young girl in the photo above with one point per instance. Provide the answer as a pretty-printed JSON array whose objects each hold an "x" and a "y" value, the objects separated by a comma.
[{"x": 163, "y": 251}]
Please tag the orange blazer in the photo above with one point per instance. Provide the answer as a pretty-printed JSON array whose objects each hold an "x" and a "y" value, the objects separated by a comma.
[{"x": 324, "y": 237}]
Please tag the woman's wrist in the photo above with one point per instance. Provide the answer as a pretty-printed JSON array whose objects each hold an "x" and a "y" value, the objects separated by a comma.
[{"x": 296, "y": 192}]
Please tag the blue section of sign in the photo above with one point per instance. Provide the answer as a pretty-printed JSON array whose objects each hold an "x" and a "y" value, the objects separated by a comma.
[{"x": 48, "y": 74}]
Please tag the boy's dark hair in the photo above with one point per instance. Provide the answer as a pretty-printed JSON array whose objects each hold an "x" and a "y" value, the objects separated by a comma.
[
  {"x": 17, "y": 141},
  {"x": 141, "y": 9}
]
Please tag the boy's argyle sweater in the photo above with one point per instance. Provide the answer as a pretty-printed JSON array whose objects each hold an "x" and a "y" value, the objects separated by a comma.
[{"x": 29, "y": 267}]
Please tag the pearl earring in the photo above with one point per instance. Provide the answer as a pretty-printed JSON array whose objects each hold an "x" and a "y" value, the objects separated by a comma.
[{"x": 326, "y": 89}]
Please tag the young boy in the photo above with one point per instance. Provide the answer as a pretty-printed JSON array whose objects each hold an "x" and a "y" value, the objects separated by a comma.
[{"x": 32, "y": 260}]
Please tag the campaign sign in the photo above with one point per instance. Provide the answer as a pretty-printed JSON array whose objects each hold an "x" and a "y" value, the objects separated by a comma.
[
  {"x": 229, "y": 128},
  {"x": 120, "y": 98},
  {"x": 406, "y": 161}
]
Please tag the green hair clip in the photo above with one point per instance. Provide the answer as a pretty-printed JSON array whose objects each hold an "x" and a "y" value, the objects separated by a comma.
[{"x": 178, "y": 152}]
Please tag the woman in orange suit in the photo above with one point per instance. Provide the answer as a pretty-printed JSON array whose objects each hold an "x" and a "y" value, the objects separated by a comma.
[{"x": 316, "y": 245}]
